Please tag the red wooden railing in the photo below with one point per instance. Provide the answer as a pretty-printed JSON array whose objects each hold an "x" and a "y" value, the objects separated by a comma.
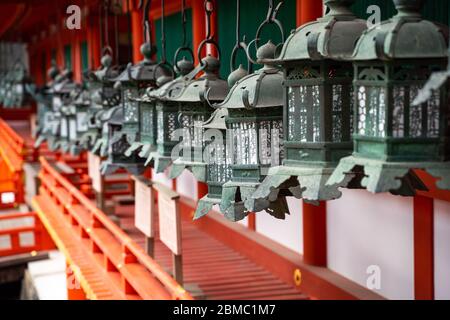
[
  {"x": 11, "y": 161},
  {"x": 138, "y": 275},
  {"x": 12, "y": 234}
]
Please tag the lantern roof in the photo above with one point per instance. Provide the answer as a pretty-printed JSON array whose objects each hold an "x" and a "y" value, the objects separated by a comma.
[
  {"x": 63, "y": 83},
  {"x": 217, "y": 120},
  {"x": 406, "y": 35},
  {"x": 331, "y": 37},
  {"x": 115, "y": 116},
  {"x": 261, "y": 89},
  {"x": 146, "y": 70},
  {"x": 209, "y": 83},
  {"x": 106, "y": 73}
]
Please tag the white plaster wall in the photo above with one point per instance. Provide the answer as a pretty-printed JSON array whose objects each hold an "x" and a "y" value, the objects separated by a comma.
[
  {"x": 187, "y": 185},
  {"x": 441, "y": 249},
  {"x": 288, "y": 232},
  {"x": 162, "y": 177},
  {"x": 365, "y": 229}
]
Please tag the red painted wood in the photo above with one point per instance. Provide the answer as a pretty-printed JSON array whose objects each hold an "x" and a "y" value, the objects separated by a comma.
[
  {"x": 137, "y": 34},
  {"x": 198, "y": 24},
  {"x": 202, "y": 190},
  {"x": 309, "y": 10},
  {"x": 423, "y": 248},
  {"x": 315, "y": 234},
  {"x": 252, "y": 221}
]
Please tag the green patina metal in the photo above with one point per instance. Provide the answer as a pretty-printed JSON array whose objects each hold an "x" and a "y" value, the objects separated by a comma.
[
  {"x": 104, "y": 96},
  {"x": 194, "y": 109},
  {"x": 132, "y": 82},
  {"x": 316, "y": 60},
  {"x": 392, "y": 136},
  {"x": 43, "y": 98},
  {"x": 78, "y": 121},
  {"x": 55, "y": 131},
  {"x": 253, "y": 121}
]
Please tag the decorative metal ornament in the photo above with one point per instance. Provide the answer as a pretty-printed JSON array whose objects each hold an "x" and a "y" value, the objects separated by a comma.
[
  {"x": 318, "y": 107},
  {"x": 393, "y": 136}
]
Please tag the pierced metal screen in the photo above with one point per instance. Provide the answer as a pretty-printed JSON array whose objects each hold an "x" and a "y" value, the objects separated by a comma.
[
  {"x": 304, "y": 113},
  {"x": 372, "y": 111}
]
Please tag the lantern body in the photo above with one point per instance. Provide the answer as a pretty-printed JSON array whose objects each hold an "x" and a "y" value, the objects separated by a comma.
[
  {"x": 318, "y": 105},
  {"x": 104, "y": 97},
  {"x": 133, "y": 81},
  {"x": 393, "y": 136},
  {"x": 193, "y": 111},
  {"x": 251, "y": 115},
  {"x": 219, "y": 162}
]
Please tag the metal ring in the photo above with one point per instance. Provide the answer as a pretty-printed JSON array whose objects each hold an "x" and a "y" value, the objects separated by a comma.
[
  {"x": 177, "y": 53},
  {"x": 204, "y": 43}
]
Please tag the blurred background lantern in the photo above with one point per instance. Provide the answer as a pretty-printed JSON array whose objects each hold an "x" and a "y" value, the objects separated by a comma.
[
  {"x": 56, "y": 128},
  {"x": 168, "y": 108},
  {"x": 134, "y": 80},
  {"x": 145, "y": 143},
  {"x": 104, "y": 96},
  {"x": 218, "y": 162},
  {"x": 79, "y": 125},
  {"x": 44, "y": 99},
  {"x": 318, "y": 105},
  {"x": 194, "y": 109},
  {"x": 392, "y": 137}
]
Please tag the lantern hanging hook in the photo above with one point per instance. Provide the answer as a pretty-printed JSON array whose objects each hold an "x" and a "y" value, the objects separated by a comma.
[
  {"x": 271, "y": 19},
  {"x": 163, "y": 64},
  {"x": 147, "y": 25},
  {"x": 239, "y": 45},
  {"x": 209, "y": 10},
  {"x": 184, "y": 46}
]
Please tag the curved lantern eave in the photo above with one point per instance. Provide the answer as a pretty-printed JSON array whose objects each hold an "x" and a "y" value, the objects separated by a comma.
[
  {"x": 316, "y": 60},
  {"x": 398, "y": 148}
]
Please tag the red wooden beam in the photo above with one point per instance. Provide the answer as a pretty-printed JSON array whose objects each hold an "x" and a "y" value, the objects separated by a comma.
[
  {"x": 315, "y": 234},
  {"x": 423, "y": 248},
  {"x": 137, "y": 34},
  {"x": 308, "y": 10},
  {"x": 198, "y": 25}
]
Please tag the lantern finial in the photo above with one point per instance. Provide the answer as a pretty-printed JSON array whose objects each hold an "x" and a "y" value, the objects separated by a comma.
[
  {"x": 146, "y": 51},
  {"x": 338, "y": 7},
  {"x": 408, "y": 7},
  {"x": 236, "y": 75},
  {"x": 212, "y": 64},
  {"x": 106, "y": 61}
]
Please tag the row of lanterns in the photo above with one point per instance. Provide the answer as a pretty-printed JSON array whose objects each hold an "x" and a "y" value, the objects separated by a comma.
[{"x": 340, "y": 105}]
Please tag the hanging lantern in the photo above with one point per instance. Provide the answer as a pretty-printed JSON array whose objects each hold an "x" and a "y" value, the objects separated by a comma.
[
  {"x": 318, "y": 107},
  {"x": 19, "y": 95},
  {"x": 79, "y": 122},
  {"x": 56, "y": 128},
  {"x": 218, "y": 159},
  {"x": 43, "y": 97},
  {"x": 255, "y": 124},
  {"x": 132, "y": 82},
  {"x": 392, "y": 62},
  {"x": 193, "y": 111},
  {"x": 104, "y": 97}
]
